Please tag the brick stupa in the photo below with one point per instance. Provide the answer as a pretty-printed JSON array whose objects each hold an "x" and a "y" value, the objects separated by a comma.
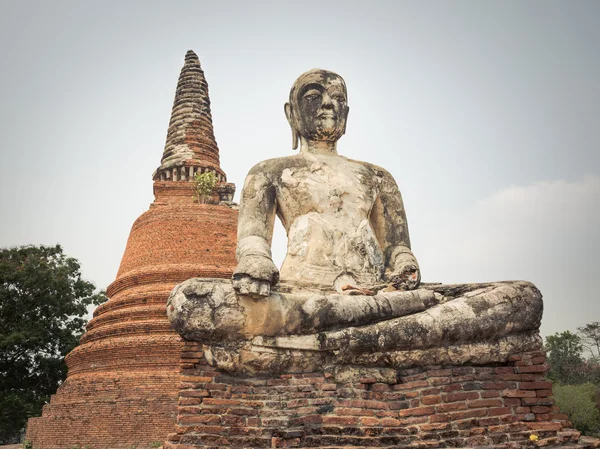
[{"x": 122, "y": 385}]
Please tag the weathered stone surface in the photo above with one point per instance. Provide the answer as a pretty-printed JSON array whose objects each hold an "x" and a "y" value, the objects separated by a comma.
[
  {"x": 355, "y": 407},
  {"x": 191, "y": 144},
  {"x": 344, "y": 219},
  {"x": 347, "y": 290},
  {"x": 209, "y": 310},
  {"x": 291, "y": 332}
]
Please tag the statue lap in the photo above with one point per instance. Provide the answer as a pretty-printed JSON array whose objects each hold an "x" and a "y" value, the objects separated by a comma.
[{"x": 303, "y": 331}]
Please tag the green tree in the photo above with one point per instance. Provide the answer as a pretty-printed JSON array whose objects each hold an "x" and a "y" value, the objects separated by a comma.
[
  {"x": 43, "y": 301},
  {"x": 579, "y": 403},
  {"x": 590, "y": 337},
  {"x": 564, "y": 352},
  {"x": 204, "y": 184}
]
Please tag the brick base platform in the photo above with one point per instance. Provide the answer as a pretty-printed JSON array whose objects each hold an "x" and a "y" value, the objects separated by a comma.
[
  {"x": 441, "y": 406},
  {"x": 121, "y": 410}
]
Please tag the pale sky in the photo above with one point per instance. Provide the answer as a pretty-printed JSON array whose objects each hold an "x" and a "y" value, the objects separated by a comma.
[{"x": 486, "y": 113}]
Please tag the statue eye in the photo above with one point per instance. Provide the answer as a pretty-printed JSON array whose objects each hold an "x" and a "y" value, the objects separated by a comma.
[{"x": 311, "y": 95}]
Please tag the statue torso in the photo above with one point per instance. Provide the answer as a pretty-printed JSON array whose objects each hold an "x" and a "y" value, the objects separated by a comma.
[{"x": 324, "y": 203}]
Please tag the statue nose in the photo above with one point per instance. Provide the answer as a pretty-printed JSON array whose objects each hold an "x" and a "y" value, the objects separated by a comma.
[{"x": 327, "y": 102}]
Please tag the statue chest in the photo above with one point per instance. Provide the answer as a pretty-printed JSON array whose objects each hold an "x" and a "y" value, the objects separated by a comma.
[{"x": 339, "y": 189}]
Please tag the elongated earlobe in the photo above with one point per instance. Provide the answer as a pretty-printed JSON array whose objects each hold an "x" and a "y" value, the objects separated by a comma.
[
  {"x": 346, "y": 119},
  {"x": 294, "y": 139},
  {"x": 290, "y": 118}
]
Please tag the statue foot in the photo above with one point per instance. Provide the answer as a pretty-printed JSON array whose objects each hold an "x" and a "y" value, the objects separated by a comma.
[{"x": 303, "y": 330}]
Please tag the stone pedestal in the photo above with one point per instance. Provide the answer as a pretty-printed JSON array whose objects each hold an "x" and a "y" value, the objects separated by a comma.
[{"x": 498, "y": 406}]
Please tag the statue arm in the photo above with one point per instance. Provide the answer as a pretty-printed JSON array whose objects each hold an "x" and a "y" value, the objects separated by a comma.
[
  {"x": 388, "y": 220},
  {"x": 256, "y": 272}
]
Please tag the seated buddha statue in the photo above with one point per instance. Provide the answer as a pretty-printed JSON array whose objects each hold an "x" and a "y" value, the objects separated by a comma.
[
  {"x": 344, "y": 219},
  {"x": 349, "y": 288}
]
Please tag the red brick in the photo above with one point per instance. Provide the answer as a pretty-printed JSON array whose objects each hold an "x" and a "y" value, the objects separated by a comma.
[
  {"x": 380, "y": 387},
  {"x": 533, "y": 369},
  {"x": 499, "y": 385},
  {"x": 535, "y": 385},
  {"x": 518, "y": 394},
  {"x": 431, "y": 400},
  {"x": 490, "y": 394},
  {"x": 544, "y": 426},
  {"x": 440, "y": 417},
  {"x": 485, "y": 403},
  {"x": 541, "y": 409},
  {"x": 463, "y": 396},
  {"x": 478, "y": 412},
  {"x": 341, "y": 420},
  {"x": 417, "y": 411},
  {"x": 498, "y": 411},
  {"x": 411, "y": 385},
  {"x": 451, "y": 406},
  {"x": 372, "y": 422},
  {"x": 537, "y": 401}
]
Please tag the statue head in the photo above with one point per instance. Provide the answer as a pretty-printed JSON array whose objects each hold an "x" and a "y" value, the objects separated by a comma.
[{"x": 318, "y": 108}]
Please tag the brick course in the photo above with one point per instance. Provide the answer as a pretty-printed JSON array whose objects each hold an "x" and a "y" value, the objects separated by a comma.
[
  {"x": 414, "y": 410},
  {"x": 122, "y": 385}
]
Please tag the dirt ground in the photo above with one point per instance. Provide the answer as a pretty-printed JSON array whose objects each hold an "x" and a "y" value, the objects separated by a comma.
[{"x": 12, "y": 446}]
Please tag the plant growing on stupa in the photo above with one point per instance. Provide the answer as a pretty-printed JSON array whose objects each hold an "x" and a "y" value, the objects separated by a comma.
[{"x": 204, "y": 184}]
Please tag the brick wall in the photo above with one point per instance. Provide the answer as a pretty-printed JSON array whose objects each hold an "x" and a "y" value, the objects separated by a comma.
[
  {"x": 122, "y": 384},
  {"x": 441, "y": 406}
]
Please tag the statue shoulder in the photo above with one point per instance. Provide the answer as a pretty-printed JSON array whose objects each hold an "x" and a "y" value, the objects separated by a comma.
[
  {"x": 273, "y": 168},
  {"x": 375, "y": 170}
]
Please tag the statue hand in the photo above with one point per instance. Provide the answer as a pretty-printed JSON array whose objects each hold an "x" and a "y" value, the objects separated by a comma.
[
  {"x": 254, "y": 276},
  {"x": 407, "y": 277}
]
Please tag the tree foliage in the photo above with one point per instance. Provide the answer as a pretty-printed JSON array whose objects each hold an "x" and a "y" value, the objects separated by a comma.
[
  {"x": 590, "y": 337},
  {"x": 204, "y": 184},
  {"x": 43, "y": 301},
  {"x": 579, "y": 403},
  {"x": 564, "y": 352}
]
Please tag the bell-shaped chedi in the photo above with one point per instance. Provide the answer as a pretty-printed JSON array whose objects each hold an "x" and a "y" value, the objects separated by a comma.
[{"x": 122, "y": 384}]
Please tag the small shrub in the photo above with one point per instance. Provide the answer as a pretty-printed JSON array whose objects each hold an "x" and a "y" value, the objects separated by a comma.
[
  {"x": 27, "y": 444},
  {"x": 204, "y": 184},
  {"x": 578, "y": 402},
  {"x": 156, "y": 444}
]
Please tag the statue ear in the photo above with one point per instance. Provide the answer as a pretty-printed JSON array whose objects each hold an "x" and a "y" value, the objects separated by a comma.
[
  {"x": 346, "y": 119},
  {"x": 290, "y": 118}
]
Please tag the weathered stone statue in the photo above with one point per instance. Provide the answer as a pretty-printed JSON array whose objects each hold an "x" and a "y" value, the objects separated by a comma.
[
  {"x": 344, "y": 219},
  {"x": 347, "y": 291}
]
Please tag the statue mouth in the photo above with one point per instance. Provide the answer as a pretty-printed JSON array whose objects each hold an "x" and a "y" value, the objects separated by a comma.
[{"x": 327, "y": 115}]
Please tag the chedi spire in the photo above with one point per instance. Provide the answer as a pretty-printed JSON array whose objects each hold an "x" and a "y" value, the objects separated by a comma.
[{"x": 191, "y": 144}]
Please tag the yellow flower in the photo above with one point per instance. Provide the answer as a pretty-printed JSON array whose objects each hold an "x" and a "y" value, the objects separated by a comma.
[{"x": 533, "y": 437}]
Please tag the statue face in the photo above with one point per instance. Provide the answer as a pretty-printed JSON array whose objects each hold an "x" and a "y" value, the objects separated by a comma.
[{"x": 319, "y": 105}]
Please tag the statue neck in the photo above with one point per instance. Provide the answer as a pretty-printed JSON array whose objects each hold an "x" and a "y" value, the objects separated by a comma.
[{"x": 318, "y": 146}]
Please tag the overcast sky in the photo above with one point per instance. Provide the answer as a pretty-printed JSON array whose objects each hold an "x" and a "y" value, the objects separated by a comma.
[{"x": 486, "y": 113}]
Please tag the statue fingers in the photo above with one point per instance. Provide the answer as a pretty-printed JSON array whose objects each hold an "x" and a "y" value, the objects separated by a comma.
[
  {"x": 236, "y": 282},
  {"x": 265, "y": 288},
  {"x": 254, "y": 286},
  {"x": 244, "y": 285}
]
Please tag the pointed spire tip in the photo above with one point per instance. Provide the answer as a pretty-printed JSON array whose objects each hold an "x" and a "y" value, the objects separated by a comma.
[{"x": 191, "y": 55}]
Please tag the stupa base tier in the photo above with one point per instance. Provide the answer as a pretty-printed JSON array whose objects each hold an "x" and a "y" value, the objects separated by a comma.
[
  {"x": 115, "y": 411},
  {"x": 501, "y": 406}
]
